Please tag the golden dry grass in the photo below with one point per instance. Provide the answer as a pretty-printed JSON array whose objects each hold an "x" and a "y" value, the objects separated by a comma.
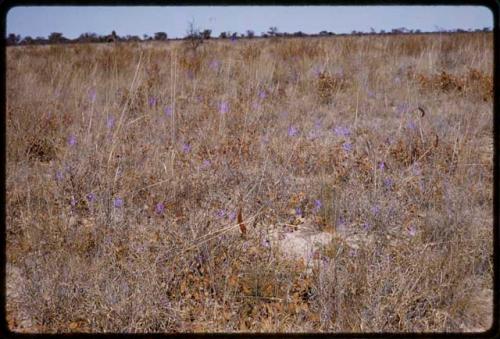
[{"x": 127, "y": 165}]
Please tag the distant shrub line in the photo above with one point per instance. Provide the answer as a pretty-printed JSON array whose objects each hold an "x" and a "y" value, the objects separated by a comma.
[{"x": 199, "y": 35}]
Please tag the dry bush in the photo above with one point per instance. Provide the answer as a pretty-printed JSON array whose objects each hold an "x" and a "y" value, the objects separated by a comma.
[{"x": 132, "y": 168}]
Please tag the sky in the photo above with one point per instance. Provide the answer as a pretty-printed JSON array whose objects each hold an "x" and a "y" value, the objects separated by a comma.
[{"x": 174, "y": 20}]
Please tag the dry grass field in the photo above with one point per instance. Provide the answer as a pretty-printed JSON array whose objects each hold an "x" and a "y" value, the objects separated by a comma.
[{"x": 339, "y": 184}]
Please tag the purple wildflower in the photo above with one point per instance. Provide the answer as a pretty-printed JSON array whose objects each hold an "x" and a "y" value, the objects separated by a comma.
[
  {"x": 388, "y": 182},
  {"x": 92, "y": 94},
  {"x": 371, "y": 94},
  {"x": 299, "y": 212},
  {"x": 318, "y": 124},
  {"x": 186, "y": 148},
  {"x": 416, "y": 169},
  {"x": 73, "y": 201},
  {"x": 233, "y": 39},
  {"x": 110, "y": 122},
  {"x": 168, "y": 111},
  {"x": 292, "y": 131},
  {"x": 375, "y": 210},
  {"x": 265, "y": 139},
  {"x": 341, "y": 224},
  {"x": 381, "y": 166},
  {"x": 397, "y": 80},
  {"x": 412, "y": 231},
  {"x": 347, "y": 147},
  {"x": 152, "y": 101},
  {"x": 118, "y": 202},
  {"x": 206, "y": 163},
  {"x": 214, "y": 65},
  {"x": 411, "y": 125},
  {"x": 366, "y": 226},
  {"x": 353, "y": 252},
  {"x": 160, "y": 208},
  {"x": 317, "y": 205},
  {"x": 342, "y": 131},
  {"x": 223, "y": 107},
  {"x": 90, "y": 197},
  {"x": 402, "y": 108},
  {"x": 262, "y": 94},
  {"x": 232, "y": 216},
  {"x": 317, "y": 70},
  {"x": 59, "y": 176},
  {"x": 221, "y": 213},
  {"x": 72, "y": 140}
]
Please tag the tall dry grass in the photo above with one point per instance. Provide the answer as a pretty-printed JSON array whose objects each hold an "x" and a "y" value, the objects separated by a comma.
[{"x": 127, "y": 165}]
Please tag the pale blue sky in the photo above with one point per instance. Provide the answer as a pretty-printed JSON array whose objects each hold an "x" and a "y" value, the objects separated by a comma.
[{"x": 139, "y": 20}]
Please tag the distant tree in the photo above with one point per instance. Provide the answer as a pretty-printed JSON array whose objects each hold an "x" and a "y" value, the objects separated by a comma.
[
  {"x": 160, "y": 36},
  {"x": 27, "y": 41},
  {"x": 39, "y": 40},
  {"x": 418, "y": 31},
  {"x": 193, "y": 37},
  {"x": 132, "y": 38},
  {"x": 299, "y": 34},
  {"x": 56, "y": 38},
  {"x": 323, "y": 33},
  {"x": 87, "y": 37},
  {"x": 206, "y": 34},
  {"x": 13, "y": 39},
  {"x": 273, "y": 31},
  {"x": 250, "y": 34},
  {"x": 382, "y": 31},
  {"x": 223, "y": 35}
]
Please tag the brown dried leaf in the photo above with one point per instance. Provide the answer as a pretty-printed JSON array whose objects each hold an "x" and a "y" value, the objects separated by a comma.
[{"x": 243, "y": 228}]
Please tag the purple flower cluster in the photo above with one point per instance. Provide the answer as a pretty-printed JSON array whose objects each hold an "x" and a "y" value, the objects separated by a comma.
[
  {"x": 160, "y": 208},
  {"x": 152, "y": 101},
  {"x": 342, "y": 131},
  {"x": 375, "y": 210},
  {"x": 317, "y": 205},
  {"x": 91, "y": 197},
  {"x": 168, "y": 111},
  {"x": 72, "y": 140},
  {"x": 186, "y": 148},
  {"x": 215, "y": 65},
  {"x": 299, "y": 212},
  {"x": 347, "y": 147},
  {"x": 110, "y": 122},
  {"x": 118, "y": 202},
  {"x": 59, "y": 176},
  {"x": 92, "y": 95},
  {"x": 388, "y": 182},
  {"x": 292, "y": 131},
  {"x": 223, "y": 107},
  {"x": 402, "y": 108},
  {"x": 206, "y": 163}
]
